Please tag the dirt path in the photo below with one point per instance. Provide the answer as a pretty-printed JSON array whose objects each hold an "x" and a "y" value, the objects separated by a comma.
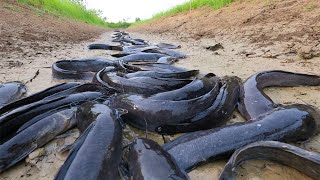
[{"x": 236, "y": 58}]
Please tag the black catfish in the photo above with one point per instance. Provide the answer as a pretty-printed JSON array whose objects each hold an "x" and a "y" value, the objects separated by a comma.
[
  {"x": 128, "y": 40},
  {"x": 155, "y": 74},
  {"x": 86, "y": 87},
  {"x": 158, "y": 67},
  {"x": 290, "y": 123},
  {"x": 253, "y": 101},
  {"x": 194, "y": 89},
  {"x": 167, "y": 84},
  {"x": 146, "y": 113},
  {"x": 168, "y": 60},
  {"x": 141, "y": 57},
  {"x": 97, "y": 153},
  {"x": 105, "y": 47},
  {"x": 168, "y": 52},
  {"x": 136, "y": 50},
  {"x": 38, "y": 96},
  {"x": 11, "y": 91},
  {"x": 133, "y": 47},
  {"x": 12, "y": 121},
  {"x": 304, "y": 161},
  {"x": 124, "y": 85},
  {"x": 147, "y": 160},
  {"x": 79, "y": 69},
  {"x": 35, "y": 136},
  {"x": 216, "y": 115}
]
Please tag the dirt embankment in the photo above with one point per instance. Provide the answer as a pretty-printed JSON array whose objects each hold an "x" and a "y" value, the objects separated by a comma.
[
  {"x": 27, "y": 32},
  {"x": 291, "y": 25}
]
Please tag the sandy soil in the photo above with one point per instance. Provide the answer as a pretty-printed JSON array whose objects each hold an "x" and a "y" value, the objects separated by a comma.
[{"x": 240, "y": 56}]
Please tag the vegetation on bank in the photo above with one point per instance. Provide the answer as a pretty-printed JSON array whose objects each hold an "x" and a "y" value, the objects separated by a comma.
[
  {"x": 191, "y": 4},
  {"x": 73, "y": 9}
]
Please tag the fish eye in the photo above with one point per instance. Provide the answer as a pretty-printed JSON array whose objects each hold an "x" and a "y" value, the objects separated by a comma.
[{"x": 159, "y": 129}]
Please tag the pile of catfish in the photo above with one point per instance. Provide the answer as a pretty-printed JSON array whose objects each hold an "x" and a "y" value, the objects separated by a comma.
[{"x": 142, "y": 88}]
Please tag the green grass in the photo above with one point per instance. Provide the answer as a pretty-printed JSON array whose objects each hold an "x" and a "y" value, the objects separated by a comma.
[
  {"x": 215, "y": 4},
  {"x": 119, "y": 24},
  {"x": 73, "y": 10}
]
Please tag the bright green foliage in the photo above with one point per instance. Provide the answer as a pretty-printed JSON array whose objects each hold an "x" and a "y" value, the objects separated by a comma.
[
  {"x": 72, "y": 9},
  {"x": 195, "y": 4}
]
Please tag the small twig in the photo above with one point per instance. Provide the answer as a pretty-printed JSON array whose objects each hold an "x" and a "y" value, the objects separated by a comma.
[{"x": 35, "y": 76}]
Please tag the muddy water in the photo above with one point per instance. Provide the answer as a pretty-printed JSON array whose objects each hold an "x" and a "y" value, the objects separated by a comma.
[{"x": 237, "y": 58}]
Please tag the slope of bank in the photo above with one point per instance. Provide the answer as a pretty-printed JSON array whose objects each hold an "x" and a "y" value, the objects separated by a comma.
[
  {"x": 27, "y": 32},
  {"x": 67, "y": 8},
  {"x": 294, "y": 25}
]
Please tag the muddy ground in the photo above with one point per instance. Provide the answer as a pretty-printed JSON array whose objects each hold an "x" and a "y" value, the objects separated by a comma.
[{"x": 246, "y": 50}]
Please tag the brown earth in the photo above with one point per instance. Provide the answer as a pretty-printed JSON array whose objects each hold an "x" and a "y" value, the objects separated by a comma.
[
  {"x": 294, "y": 24},
  {"x": 244, "y": 52},
  {"x": 27, "y": 32}
]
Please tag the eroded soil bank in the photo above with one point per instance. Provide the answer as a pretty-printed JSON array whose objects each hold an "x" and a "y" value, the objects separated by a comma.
[{"x": 26, "y": 32}]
